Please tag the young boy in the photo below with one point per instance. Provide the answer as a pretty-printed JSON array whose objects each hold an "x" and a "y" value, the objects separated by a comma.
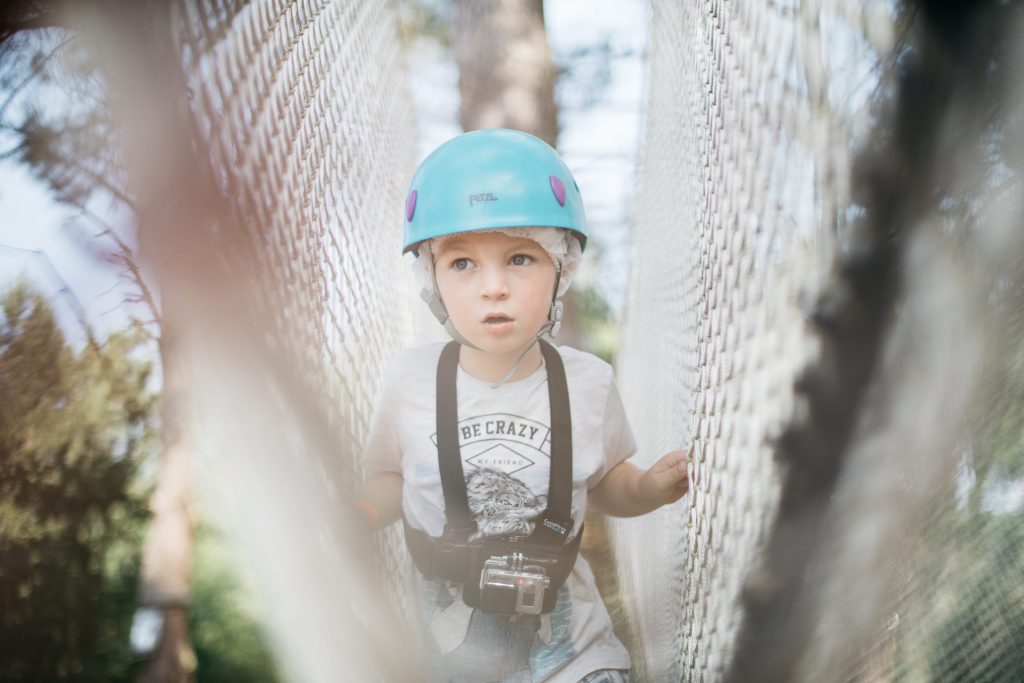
[{"x": 491, "y": 447}]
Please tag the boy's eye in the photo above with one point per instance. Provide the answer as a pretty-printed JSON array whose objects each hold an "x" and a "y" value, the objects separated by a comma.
[
  {"x": 460, "y": 264},
  {"x": 521, "y": 259}
]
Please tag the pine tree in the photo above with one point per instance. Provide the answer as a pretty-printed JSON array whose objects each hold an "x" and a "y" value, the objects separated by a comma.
[{"x": 74, "y": 429}]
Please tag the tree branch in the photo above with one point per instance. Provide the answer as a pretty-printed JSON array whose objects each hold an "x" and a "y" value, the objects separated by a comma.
[
  {"x": 127, "y": 256},
  {"x": 35, "y": 71}
]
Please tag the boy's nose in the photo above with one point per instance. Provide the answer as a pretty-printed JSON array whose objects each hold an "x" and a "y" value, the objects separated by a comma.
[{"x": 495, "y": 284}]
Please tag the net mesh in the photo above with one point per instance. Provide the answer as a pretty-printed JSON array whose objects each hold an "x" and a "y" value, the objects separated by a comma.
[
  {"x": 739, "y": 181},
  {"x": 754, "y": 112}
]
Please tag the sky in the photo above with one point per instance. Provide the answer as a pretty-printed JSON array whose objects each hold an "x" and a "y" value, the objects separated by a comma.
[
  {"x": 599, "y": 141},
  {"x": 37, "y": 241}
]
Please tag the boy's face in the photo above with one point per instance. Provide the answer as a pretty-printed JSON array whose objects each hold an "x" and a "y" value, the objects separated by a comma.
[{"x": 497, "y": 288}]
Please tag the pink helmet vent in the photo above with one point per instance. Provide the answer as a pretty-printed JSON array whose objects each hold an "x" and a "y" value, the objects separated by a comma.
[
  {"x": 410, "y": 205},
  {"x": 559, "y": 189}
]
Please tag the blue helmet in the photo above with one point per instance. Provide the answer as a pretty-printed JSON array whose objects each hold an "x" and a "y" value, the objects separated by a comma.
[{"x": 492, "y": 178}]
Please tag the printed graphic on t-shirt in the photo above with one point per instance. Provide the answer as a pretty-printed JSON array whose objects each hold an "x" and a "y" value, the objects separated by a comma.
[
  {"x": 494, "y": 447},
  {"x": 501, "y": 504},
  {"x": 501, "y": 441}
]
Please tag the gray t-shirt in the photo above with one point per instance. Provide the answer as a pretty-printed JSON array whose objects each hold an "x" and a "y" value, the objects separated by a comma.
[{"x": 505, "y": 446}]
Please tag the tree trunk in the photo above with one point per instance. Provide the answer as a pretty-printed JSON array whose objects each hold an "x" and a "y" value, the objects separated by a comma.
[
  {"x": 507, "y": 80},
  {"x": 506, "y": 76},
  {"x": 167, "y": 555}
]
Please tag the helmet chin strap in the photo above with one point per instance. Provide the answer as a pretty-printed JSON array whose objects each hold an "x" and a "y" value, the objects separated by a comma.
[
  {"x": 439, "y": 310},
  {"x": 553, "y": 324},
  {"x": 441, "y": 313}
]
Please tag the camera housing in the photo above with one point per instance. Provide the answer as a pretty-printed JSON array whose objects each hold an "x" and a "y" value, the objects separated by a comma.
[{"x": 513, "y": 584}]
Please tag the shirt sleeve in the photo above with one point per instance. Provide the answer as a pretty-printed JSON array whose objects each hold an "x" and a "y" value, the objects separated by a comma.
[
  {"x": 619, "y": 443},
  {"x": 617, "y": 438},
  {"x": 382, "y": 451}
]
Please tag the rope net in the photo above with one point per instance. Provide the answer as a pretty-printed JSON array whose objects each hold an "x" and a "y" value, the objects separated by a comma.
[
  {"x": 759, "y": 119},
  {"x": 755, "y": 114},
  {"x": 743, "y": 165}
]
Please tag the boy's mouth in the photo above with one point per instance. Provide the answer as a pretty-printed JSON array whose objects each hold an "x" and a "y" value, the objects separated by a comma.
[{"x": 497, "y": 318}]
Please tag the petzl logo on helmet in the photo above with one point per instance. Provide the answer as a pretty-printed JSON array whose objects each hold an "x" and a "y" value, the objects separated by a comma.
[{"x": 482, "y": 197}]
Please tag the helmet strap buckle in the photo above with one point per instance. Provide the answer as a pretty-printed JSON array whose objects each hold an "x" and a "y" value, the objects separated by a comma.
[
  {"x": 555, "y": 313},
  {"x": 555, "y": 316},
  {"x": 435, "y": 304}
]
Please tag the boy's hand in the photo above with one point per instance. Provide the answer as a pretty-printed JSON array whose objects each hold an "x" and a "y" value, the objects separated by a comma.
[
  {"x": 627, "y": 491},
  {"x": 666, "y": 481}
]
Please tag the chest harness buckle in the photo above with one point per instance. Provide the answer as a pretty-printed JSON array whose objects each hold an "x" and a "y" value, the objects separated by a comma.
[{"x": 502, "y": 574}]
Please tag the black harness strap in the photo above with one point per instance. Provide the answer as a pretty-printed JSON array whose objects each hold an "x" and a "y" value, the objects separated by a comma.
[
  {"x": 449, "y": 459},
  {"x": 556, "y": 523}
]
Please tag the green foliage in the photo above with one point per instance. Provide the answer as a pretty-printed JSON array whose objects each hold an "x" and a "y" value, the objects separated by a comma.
[
  {"x": 985, "y": 632},
  {"x": 1004, "y": 436},
  {"x": 976, "y": 551},
  {"x": 597, "y": 323},
  {"x": 228, "y": 643},
  {"x": 429, "y": 18},
  {"x": 74, "y": 428}
]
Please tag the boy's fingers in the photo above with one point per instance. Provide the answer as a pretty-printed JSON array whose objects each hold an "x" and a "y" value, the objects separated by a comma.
[
  {"x": 673, "y": 459},
  {"x": 675, "y": 474},
  {"x": 672, "y": 474}
]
